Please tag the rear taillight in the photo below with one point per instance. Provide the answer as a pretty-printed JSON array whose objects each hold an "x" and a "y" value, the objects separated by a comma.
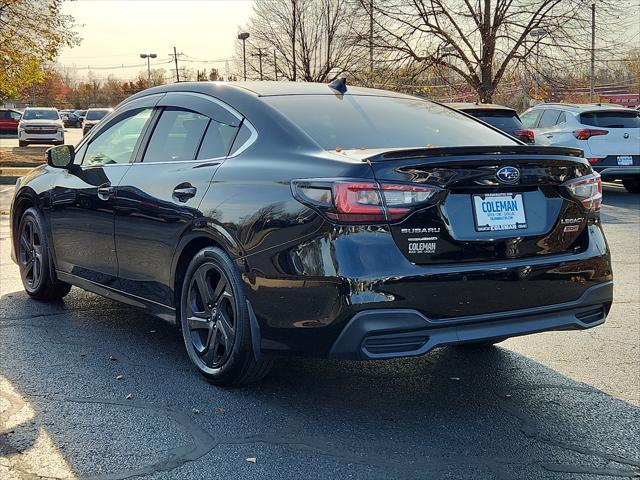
[
  {"x": 593, "y": 160},
  {"x": 587, "y": 133},
  {"x": 526, "y": 135},
  {"x": 362, "y": 201},
  {"x": 587, "y": 189}
]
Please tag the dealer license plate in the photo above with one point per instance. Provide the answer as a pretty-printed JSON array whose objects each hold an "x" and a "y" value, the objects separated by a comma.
[{"x": 499, "y": 211}]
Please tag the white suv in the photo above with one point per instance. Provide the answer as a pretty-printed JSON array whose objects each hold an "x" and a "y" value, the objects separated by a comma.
[
  {"x": 608, "y": 135},
  {"x": 40, "y": 125}
]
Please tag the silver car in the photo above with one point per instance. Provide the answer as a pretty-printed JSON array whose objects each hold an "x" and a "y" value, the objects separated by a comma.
[{"x": 40, "y": 125}]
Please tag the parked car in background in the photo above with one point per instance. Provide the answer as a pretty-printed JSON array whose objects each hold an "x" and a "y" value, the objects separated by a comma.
[
  {"x": 9, "y": 120},
  {"x": 270, "y": 219},
  {"x": 93, "y": 117},
  {"x": 70, "y": 119},
  {"x": 503, "y": 118},
  {"x": 40, "y": 125},
  {"x": 609, "y": 136}
]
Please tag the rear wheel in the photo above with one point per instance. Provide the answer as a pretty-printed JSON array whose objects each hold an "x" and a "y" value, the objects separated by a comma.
[
  {"x": 38, "y": 277},
  {"x": 632, "y": 185},
  {"x": 215, "y": 324}
]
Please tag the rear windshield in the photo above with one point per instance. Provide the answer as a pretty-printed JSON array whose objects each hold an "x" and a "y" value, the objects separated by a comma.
[
  {"x": 40, "y": 115},
  {"x": 96, "y": 114},
  {"x": 616, "y": 119},
  {"x": 506, "y": 120},
  {"x": 354, "y": 121}
]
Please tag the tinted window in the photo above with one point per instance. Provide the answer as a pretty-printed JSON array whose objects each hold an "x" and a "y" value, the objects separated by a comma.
[
  {"x": 616, "y": 119},
  {"x": 117, "y": 142},
  {"x": 176, "y": 136},
  {"x": 97, "y": 114},
  {"x": 4, "y": 114},
  {"x": 505, "y": 120},
  {"x": 561, "y": 119},
  {"x": 530, "y": 119},
  {"x": 354, "y": 121},
  {"x": 549, "y": 118},
  {"x": 41, "y": 115},
  {"x": 244, "y": 134},
  {"x": 217, "y": 140}
]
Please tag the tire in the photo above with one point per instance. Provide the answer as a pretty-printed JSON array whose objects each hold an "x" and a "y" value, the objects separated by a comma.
[
  {"x": 34, "y": 259},
  {"x": 214, "y": 318},
  {"x": 22, "y": 143},
  {"x": 632, "y": 185}
]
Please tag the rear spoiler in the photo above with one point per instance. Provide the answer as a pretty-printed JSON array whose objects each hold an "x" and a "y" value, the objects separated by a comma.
[{"x": 482, "y": 150}]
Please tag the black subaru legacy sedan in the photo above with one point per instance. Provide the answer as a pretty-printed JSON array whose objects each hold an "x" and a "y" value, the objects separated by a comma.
[{"x": 276, "y": 219}]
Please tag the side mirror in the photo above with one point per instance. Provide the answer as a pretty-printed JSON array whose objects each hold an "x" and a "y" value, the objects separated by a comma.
[{"x": 61, "y": 156}]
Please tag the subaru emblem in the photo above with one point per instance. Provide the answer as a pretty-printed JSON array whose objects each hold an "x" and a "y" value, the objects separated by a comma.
[{"x": 508, "y": 175}]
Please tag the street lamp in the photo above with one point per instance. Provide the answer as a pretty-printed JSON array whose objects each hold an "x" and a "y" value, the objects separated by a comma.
[
  {"x": 449, "y": 50},
  {"x": 148, "y": 56},
  {"x": 243, "y": 36}
]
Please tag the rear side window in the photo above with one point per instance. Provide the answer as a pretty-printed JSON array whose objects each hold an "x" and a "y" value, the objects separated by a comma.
[
  {"x": 217, "y": 140},
  {"x": 176, "y": 136},
  {"x": 615, "y": 119},
  {"x": 361, "y": 121},
  {"x": 549, "y": 118},
  {"x": 530, "y": 119},
  {"x": 506, "y": 120}
]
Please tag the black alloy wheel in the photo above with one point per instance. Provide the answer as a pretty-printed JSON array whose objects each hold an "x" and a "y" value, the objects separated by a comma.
[
  {"x": 36, "y": 268},
  {"x": 214, "y": 316},
  {"x": 211, "y": 315},
  {"x": 30, "y": 253}
]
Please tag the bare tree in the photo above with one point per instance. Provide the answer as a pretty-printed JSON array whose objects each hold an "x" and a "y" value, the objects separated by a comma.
[
  {"x": 310, "y": 40},
  {"x": 480, "y": 40}
]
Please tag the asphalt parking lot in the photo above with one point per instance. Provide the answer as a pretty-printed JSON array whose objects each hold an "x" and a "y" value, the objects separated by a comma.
[{"x": 560, "y": 405}]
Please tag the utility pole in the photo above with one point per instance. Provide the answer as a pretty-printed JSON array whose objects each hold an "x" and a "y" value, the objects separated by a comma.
[
  {"x": 175, "y": 59},
  {"x": 371, "y": 40},
  {"x": 259, "y": 55},
  {"x": 275, "y": 65},
  {"x": 293, "y": 37},
  {"x": 592, "y": 87}
]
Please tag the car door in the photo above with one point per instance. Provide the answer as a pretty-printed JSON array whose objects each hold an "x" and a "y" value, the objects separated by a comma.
[
  {"x": 157, "y": 200},
  {"x": 546, "y": 125},
  {"x": 81, "y": 213}
]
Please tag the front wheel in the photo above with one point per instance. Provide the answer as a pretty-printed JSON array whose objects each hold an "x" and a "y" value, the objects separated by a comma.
[
  {"x": 214, "y": 317},
  {"x": 632, "y": 185},
  {"x": 22, "y": 143},
  {"x": 38, "y": 277}
]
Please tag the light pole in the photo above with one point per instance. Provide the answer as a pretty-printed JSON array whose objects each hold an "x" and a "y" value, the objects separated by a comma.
[
  {"x": 449, "y": 50},
  {"x": 537, "y": 34},
  {"x": 148, "y": 56},
  {"x": 243, "y": 36}
]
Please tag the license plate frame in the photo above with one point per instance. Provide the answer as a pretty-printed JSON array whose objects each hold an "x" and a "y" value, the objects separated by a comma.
[
  {"x": 509, "y": 215},
  {"x": 624, "y": 160}
]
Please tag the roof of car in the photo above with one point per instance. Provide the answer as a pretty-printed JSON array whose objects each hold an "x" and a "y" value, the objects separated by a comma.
[
  {"x": 41, "y": 108},
  {"x": 477, "y": 106},
  {"x": 581, "y": 107}
]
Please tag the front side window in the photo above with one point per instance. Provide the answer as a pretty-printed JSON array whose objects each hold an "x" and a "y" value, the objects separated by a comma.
[
  {"x": 35, "y": 114},
  {"x": 361, "y": 121},
  {"x": 176, "y": 136},
  {"x": 117, "y": 143}
]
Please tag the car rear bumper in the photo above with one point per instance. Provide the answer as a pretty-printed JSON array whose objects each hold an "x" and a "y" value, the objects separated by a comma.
[
  {"x": 383, "y": 334},
  {"x": 608, "y": 173}
]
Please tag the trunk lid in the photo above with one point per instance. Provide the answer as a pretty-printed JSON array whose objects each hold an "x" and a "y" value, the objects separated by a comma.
[
  {"x": 495, "y": 203},
  {"x": 623, "y": 137}
]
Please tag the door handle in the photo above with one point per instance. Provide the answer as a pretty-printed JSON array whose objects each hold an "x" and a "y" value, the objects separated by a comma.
[
  {"x": 184, "y": 192},
  {"x": 548, "y": 135},
  {"x": 105, "y": 191}
]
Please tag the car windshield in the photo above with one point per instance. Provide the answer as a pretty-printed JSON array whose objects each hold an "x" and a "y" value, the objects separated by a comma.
[
  {"x": 40, "y": 115},
  {"x": 506, "y": 120},
  {"x": 360, "y": 121},
  {"x": 615, "y": 119},
  {"x": 96, "y": 114}
]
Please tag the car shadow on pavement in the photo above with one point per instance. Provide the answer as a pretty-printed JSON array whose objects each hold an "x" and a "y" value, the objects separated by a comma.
[{"x": 110, "y": 393}]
